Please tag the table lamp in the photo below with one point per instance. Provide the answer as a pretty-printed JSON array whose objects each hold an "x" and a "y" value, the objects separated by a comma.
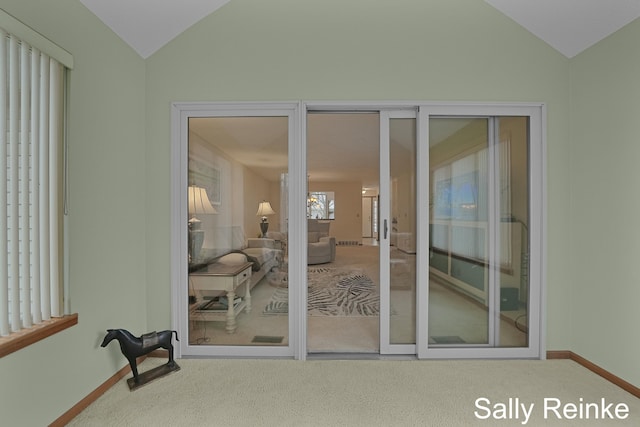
[
  {"x": 264, "y": 209},
  {"x": 198, "y": 204}
]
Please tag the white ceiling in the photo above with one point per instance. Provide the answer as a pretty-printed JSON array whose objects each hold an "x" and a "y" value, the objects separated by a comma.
[
  {"x": 570, "y": 26},
  {"x": 340, "y": 147},
  {"x": 147, "y": 25}
]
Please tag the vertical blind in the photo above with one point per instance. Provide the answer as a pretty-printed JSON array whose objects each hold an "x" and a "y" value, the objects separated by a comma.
[{"x": 31, "y": 119}]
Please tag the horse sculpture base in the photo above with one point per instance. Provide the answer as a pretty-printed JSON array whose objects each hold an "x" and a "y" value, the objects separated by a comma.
[{"x": 147, "y": 376}]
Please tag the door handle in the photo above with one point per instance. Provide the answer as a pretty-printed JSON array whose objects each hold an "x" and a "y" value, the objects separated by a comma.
[{"x": 386, "y": 228}]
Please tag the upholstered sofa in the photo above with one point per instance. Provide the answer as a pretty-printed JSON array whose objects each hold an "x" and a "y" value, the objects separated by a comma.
[
  {"x": 263, "y": 254},
  {"x": 321, "y": 248}
]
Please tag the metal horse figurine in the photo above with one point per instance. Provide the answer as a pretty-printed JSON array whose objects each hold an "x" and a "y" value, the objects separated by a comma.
[{"x": 133, "y": 347}]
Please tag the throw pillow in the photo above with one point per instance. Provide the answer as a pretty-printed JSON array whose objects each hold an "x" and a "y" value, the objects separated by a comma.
[{"x": 233, "y": 259}]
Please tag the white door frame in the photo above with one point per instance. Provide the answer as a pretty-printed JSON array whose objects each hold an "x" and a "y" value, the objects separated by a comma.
[
  {"x": 181, "y": 112},
  {"x": 297, "y": 113},
  {"x": 537, "y": 230}
]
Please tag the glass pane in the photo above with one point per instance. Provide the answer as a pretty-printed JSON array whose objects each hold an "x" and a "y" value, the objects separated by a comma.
[
  {"x": 237, "y": 203},
  {"x": 458, "y": 214},
  {"x": 402, "y": 155},
  {"x": 513, "y": 179},
  {"x": 468, "y": 174}
]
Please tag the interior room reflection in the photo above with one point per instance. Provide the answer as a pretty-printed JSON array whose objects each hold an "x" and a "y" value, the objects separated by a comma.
[
  {"x": 239, "y": 280},
  {"x": 240, "y": 163}
]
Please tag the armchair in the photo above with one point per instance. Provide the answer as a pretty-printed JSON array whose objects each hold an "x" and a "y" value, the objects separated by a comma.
[{"x": 321, "y": 248}]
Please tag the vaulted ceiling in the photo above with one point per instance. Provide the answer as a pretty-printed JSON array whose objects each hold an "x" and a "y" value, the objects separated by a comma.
[{"x": 569, "y": 26}]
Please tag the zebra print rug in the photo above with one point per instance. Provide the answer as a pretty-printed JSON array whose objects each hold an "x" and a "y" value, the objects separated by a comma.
[{"x": 333, "y": 292}]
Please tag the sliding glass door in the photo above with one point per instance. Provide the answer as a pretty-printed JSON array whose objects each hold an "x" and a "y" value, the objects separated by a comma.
[
  {"x": 362, "y": 292},
  {"x": 476, "y": 266},
  {"x": 233, "y": 294},
  {"x": 457, "y": 265},
  {"x": 460, "y": 234},
  {"x": 398, "y": 145}
]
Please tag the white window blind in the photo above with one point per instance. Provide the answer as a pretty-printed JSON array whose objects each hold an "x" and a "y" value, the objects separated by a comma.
[{"x": 31, "y": 127}]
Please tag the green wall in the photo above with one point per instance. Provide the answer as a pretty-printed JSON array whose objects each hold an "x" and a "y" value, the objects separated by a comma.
[
  {"x": 605, "y": 238},
  {"x": 358, "y": 50},
  {"x": 120, "y": 143},
  {"x": 107, "y": 209}
]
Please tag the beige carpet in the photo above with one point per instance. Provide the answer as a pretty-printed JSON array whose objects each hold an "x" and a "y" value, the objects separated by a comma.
[{"x": 352, "y": 393}]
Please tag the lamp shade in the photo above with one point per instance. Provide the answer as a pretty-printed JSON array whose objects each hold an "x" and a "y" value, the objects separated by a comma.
[
  {"x": 199, "y": 201},
  {"x": 264, "y": 209}
]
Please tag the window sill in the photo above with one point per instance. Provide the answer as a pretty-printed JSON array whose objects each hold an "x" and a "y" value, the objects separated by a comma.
[{"x": 26, "y": 337}]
